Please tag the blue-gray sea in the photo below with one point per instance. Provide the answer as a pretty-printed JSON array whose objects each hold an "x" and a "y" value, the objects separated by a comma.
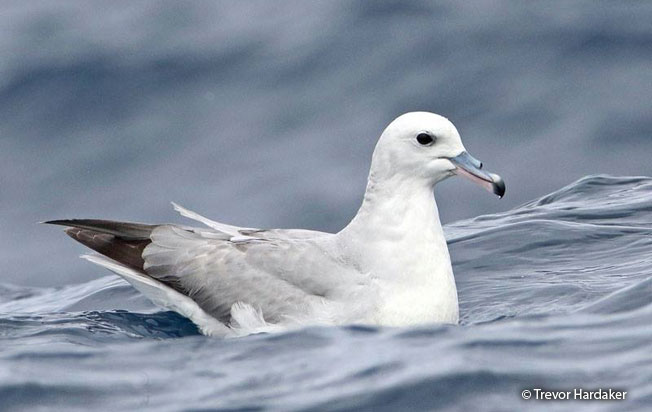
[
  {"x": 554, "y": 294},
  {"x": 265, "y": 114}
]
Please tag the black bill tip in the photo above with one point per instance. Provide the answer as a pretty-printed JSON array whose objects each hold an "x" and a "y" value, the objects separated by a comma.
[{"x": 498, "y": 185}]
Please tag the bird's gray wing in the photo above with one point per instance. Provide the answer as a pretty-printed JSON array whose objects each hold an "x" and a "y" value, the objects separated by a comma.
[{"x": 278, "y": 275}]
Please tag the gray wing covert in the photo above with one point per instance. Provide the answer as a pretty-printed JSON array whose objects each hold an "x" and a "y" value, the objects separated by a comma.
[{"x": 278, "y": 276}]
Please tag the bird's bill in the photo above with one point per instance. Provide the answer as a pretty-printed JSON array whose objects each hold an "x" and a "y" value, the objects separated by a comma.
[{"x": 469, "y": 167}]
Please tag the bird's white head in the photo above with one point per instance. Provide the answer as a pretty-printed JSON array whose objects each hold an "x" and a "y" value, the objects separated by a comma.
[{"x": 427, "y": 147}]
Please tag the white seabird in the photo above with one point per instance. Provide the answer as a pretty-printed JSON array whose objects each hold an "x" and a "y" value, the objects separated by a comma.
[{"x": 389, "y": 266}]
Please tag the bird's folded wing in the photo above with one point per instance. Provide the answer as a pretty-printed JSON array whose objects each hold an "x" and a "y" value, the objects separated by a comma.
[{"x": 274, "y": 273}]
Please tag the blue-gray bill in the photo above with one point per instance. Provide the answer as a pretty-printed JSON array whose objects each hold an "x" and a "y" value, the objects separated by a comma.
[{"x": 470, "y": 167}]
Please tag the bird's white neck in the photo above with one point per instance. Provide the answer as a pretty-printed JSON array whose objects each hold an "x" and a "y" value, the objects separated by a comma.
[
  {"x": 392, "y": 207},
  {"x": 397, "y": 238}
]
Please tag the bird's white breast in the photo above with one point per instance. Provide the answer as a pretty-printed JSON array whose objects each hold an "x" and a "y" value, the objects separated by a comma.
[
  {"x": 407, "y": 259},
  {"x": 415, "y": 285}
]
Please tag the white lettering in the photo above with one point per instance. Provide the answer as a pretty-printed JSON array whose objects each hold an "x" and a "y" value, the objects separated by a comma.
[{"x": 577, "y": 394}]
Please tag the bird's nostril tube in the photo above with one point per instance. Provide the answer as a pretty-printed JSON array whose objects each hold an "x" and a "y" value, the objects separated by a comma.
[{"x": 480, "y": 167}]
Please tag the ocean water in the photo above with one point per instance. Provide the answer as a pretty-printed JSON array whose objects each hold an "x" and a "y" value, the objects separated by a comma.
[
  {"x": 554, "y": 294},
  {"x": 265, "y": 114}
]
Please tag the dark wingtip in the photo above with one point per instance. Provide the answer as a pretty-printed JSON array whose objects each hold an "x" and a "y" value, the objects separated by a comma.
[
  {"x": 75, "y": 233},
  {"x": 61, "y": 222}
]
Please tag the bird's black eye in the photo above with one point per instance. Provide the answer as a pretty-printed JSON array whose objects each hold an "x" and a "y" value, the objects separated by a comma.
[{"x": 425, "y": 139}]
